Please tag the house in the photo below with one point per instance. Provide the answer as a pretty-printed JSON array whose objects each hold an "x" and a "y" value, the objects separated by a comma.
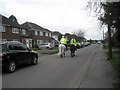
[
  {"x": 39, "y": 34},
  {"x": 28, "y": 33},
  {"x": 57, "y": 36},
  {"x": 78, "y": 39},
  {"x": 11, "y": 30}
]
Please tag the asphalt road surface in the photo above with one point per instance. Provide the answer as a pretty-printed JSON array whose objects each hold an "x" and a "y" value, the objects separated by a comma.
[{"x": 82, "y": 71}]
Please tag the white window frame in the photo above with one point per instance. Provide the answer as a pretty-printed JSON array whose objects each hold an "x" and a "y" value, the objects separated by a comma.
[
  {"x": 50, "y": 34},
  {"x": 15, "y": 30},
  {"x": 40, "y": 33},
  {"x": 36, "y": 32},
  {"x": 2, "y": 28},
  {"x": 23, "y": 31},
  {"x": 3, "y": 40},
  {"x": 46, "y": 34}
]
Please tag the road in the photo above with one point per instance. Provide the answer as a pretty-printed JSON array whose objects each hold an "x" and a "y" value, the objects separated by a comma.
[{"x": 86, "y": 70}]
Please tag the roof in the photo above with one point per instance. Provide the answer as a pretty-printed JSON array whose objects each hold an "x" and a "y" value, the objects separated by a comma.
[
  {"x": 34, "y": 26},
  {"x": 56, "y": 33},
  {"x": 7, "y": 21}
]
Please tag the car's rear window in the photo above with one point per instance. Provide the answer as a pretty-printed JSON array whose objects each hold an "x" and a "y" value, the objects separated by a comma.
[{"x": 2, "y": 48}]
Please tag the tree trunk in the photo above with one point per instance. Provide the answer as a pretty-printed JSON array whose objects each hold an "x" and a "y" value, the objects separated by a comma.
[{"x": 109, "y": 42}]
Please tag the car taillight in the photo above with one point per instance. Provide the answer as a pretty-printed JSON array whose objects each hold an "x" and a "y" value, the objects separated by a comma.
[{"x": 2, "y": 54}]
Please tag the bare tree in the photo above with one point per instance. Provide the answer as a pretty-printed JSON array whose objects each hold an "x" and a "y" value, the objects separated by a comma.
[{"x": 79, "y": 33}]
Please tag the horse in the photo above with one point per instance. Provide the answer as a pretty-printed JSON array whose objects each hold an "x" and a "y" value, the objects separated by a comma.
[
  {"x": 72, "y": 49},
  {"x": 62, "y": 50}
]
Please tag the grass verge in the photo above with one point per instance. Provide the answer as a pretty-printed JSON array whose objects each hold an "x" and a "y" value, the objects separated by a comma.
[
  {"x": 50, "y": 52},
  {"x": 115, "y": 61}
]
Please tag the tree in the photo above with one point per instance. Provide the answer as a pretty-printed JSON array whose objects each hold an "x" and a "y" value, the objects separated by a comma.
[
  {"x": 79, "y": 33},
  {"x": 109, "y": 14}
]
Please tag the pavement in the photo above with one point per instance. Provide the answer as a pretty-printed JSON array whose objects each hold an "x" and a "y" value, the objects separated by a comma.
[
  {"x": 99, "y": 73},
  {"x": 88, "y": 69}
]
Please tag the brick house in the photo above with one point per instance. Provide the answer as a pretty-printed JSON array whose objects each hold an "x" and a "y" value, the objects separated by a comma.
[
  {"x": 11, "y": 30},
  {"x": 39, "y": 35}
]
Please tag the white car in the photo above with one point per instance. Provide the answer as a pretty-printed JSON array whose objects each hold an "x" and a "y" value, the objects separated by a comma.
[
  {"x": 99, "y": 42},
  {"x": 45, "y": 46}
]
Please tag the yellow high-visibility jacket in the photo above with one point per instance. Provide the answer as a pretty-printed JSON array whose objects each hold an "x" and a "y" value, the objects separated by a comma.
[
  {"x": 63, "y": 41},
  {"x": 73, "y": 42}
]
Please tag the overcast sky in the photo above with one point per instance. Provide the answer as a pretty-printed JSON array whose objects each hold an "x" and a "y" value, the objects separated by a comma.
[{"x": 65, "y": 16}]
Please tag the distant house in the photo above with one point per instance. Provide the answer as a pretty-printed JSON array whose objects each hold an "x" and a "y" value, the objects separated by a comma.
[
  {"x": 39, "y": 35},
  {"x": 78, "y": 39},
  {"x": 57, "y": 36}
]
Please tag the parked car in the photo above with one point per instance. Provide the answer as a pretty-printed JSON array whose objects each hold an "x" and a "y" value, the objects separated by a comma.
[
  {"x": 86, "y": 43},
  {"x": 78, "y": 45},
  {"x": 45, "y": 46},
  {"x": 13, "y": 54},
  {"x": 99, "y": 42}
]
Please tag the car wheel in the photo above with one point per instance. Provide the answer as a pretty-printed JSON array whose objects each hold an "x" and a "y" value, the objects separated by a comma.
[
  {"x": 35, "y": 61},
  {"x": 11, "y": 67}
]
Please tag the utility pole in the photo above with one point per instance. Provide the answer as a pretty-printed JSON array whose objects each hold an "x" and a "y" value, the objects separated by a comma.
[
  {"x": 109, "y": 41},
  {"x": 109, "y": 33},
  {"x": 103, "y": 39}
]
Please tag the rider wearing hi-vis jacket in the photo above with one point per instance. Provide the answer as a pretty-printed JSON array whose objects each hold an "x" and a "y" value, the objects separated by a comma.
[
  {"x": 63, "y": 41},
  {"x": 73, "y": 45},
  {"x": 73, "y": 42}
]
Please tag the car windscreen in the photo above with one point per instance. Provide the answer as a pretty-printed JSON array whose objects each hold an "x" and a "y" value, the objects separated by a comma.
[{"x": 2, "y": 48}]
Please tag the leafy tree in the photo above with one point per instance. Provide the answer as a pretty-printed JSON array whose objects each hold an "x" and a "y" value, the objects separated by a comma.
[{"x": 109, "y": 14}]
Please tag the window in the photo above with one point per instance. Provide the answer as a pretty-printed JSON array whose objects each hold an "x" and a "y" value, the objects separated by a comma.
[
  {"x": 23, "y": 47},
  {"x": 41, "y": 33},
  {"x": 23, "y": 31},
  {"x": 36, "y": 33},
  {"x": 50, "y": 35},
  {"x": 2, "y": 28},
  {"x": 14, "y": 47},
  {"x": 44, "y": 34},
  {"x": 3, "y": 40},
  {"x": 15, "y": 30},
  {"x": 17, "y": 47}
]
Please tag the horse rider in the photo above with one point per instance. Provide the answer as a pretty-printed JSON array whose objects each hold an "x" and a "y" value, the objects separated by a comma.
[
  {"x": 64, "y": 41},
  {"x": 73, "y": 45}
]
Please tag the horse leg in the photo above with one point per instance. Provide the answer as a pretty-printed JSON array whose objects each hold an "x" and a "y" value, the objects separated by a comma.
[
  {"x": 64, "y": 54},
  {"x": 61, "y": 55},
  {"x": 71, "y": 53}
]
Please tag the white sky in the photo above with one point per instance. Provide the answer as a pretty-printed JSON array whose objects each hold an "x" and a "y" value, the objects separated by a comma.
[{"x": 65, "y": 16}]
